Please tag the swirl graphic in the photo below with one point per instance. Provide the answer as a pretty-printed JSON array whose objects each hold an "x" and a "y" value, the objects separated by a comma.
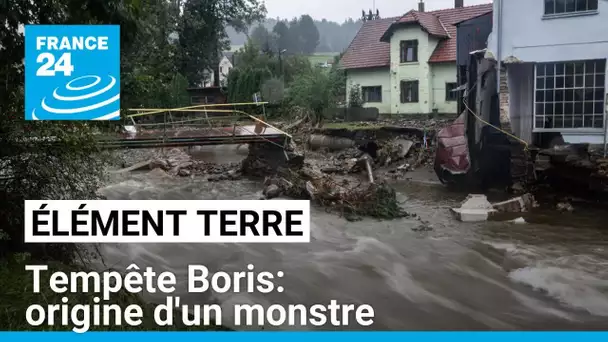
[{"x": 80, "y": 100}]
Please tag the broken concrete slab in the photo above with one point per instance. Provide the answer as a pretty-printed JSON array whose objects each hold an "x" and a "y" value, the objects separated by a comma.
[
  {"x": 476, "y": 208},
  {"x": 405, "y": 147},
  {"x": 135, "y": 167},
  {"x": 519, "y": 204}
]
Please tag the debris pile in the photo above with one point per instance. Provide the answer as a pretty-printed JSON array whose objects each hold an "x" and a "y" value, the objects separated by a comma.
[
  {"x": 266, "y": 159},
  {"x": 602, "y": 167},
  {"x": 179, "y": 163},
  {"x": 404, "y": 154},
  {"x": 353, "y": 202}
]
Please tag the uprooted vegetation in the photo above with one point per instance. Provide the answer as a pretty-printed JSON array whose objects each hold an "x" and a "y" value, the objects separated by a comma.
[
  {"x": 377, "y": 200},
  {"x": 297, "y": 179}
]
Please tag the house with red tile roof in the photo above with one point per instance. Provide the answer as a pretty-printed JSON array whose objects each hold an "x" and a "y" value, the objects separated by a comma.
[{"x": 407, "y": 64}]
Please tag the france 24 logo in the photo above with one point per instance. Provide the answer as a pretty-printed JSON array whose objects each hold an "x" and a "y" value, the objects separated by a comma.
[{"x": 72, "y": 72}]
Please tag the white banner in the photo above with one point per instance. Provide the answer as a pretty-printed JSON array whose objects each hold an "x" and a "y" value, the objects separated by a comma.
[{"x": 172, "y": 221}]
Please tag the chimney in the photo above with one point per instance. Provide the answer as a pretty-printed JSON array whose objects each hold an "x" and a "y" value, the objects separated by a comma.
[
  {"x": 421, "y": 6},
  {"x": 458, "y": 3}
]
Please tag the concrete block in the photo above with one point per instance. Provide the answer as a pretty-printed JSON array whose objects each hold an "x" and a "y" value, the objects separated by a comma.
[
  {"x": 476, "y": 208},
  {"x": 519, "y": 204}
]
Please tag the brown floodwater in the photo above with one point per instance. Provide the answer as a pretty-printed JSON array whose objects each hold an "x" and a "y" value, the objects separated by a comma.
[{"x": 425, "y": 273}]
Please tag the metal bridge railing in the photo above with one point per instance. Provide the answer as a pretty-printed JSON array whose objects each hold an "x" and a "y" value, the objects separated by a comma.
[{"x": 218, "y": 121}]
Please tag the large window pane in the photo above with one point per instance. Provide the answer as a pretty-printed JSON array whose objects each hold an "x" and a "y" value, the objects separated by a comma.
[{"x": 570, "y": 94}]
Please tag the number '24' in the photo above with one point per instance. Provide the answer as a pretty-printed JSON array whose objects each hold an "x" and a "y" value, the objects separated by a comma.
[{"x": 49, "y": 68}]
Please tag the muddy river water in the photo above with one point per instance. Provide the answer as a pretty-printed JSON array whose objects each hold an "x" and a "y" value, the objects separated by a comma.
[{"x": 431, "y": 273}]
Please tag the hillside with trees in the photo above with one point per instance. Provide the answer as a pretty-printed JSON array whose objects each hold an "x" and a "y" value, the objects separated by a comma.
[{"x": 330, "y": 36}]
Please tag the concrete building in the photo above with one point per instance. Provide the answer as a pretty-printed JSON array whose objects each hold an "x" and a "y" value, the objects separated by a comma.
[
  {"x": 407, "y": 64},
  {"x": 554, "y": 52}
]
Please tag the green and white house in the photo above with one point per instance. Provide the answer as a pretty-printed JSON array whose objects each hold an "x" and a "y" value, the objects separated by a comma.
[{"x": 407, "y": 64}]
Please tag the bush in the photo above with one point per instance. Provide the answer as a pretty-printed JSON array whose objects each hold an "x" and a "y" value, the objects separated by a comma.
[
  {"x": 355, "y": 97},
  {"x": 315, "y": 91},
  {"x": 273, "y": 90}
]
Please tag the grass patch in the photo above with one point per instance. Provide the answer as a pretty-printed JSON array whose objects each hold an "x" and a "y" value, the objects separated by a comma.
[
  {"x": 320, "y": 58},
  {"x": 17, "y": 295}
]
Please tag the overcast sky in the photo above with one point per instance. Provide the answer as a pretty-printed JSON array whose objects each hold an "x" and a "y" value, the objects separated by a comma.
[{"x": 339, "y": 10}]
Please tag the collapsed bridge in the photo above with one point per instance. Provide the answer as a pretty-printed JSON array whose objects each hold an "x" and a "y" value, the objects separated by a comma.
[{"x": 217, "y": 124}]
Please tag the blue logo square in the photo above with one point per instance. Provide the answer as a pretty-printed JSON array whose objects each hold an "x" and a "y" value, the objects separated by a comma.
[{"x": 72, "y": 72}]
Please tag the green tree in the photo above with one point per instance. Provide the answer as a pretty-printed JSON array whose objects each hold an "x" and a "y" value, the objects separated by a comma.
[
  {"x": 281, "y": 31},
  {"x": 149, "y": 68},
  {"x": 252, "y": 70},
  {"x": 259, "y": 36},
  {"x": 294, "y": 37},
  {"x": 315, "y": 91},
  {"x": 70, "y": 167},
  {"x": 264, "y": 40},
  {"x": 202, "y": 32},
  {"x": 309, "y": 34}
]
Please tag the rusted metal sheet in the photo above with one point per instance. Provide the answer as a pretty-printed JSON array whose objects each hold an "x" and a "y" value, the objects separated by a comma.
[{"x": 452, "y": 155}]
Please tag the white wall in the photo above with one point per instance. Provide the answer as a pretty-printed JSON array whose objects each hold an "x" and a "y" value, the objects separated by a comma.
[
  {"x": 420, "y": 71},
  {"x": 527, "y": 35},
  {"x": 443, "y": 73},
  {"x": 225, "y": 67},
  {"x": 532, "y": 37},
  {"x": 372, "y": 78}
]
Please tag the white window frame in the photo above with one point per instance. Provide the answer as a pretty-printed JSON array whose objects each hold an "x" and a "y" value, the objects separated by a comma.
[
  {"x": 569, "y": 13},
  {"x": 584, "y": 75}
]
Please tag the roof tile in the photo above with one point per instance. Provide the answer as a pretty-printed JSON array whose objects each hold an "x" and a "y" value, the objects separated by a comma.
[{"x": 366, "y": 50}]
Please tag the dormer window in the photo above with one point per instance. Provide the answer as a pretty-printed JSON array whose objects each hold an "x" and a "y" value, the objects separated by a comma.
[
  {"x": 569, "y": 6},
  {"x": 409, "y": 51}
]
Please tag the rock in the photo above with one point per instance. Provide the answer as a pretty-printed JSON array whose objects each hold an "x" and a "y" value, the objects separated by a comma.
[
  {"x": 295, "y": 158},
  {"x": 542, "y": 163},
  {"x": 183, "y": 166},
  {"x": 351, "y": 165},
  {"x": 215, "y": 178},
  {"x": 233, "y": 175},
  {"x": 272, "y": 191},
  {"x": 405, "y": 147},
  {"x": 184, "y": 173},
  {"x": 475, "y": 208},
  {"x": 520, "y": 220},
  {"x": 519, "y": 204},
  {"x": 565, "y": 207},
  {"x": 158, "y": 173},
  {"x": 518, "y": 188},
  {"x": 159, "y": 164},
  {"x": 310, "y": 188},
  {"x": 311, "y": 174}
]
